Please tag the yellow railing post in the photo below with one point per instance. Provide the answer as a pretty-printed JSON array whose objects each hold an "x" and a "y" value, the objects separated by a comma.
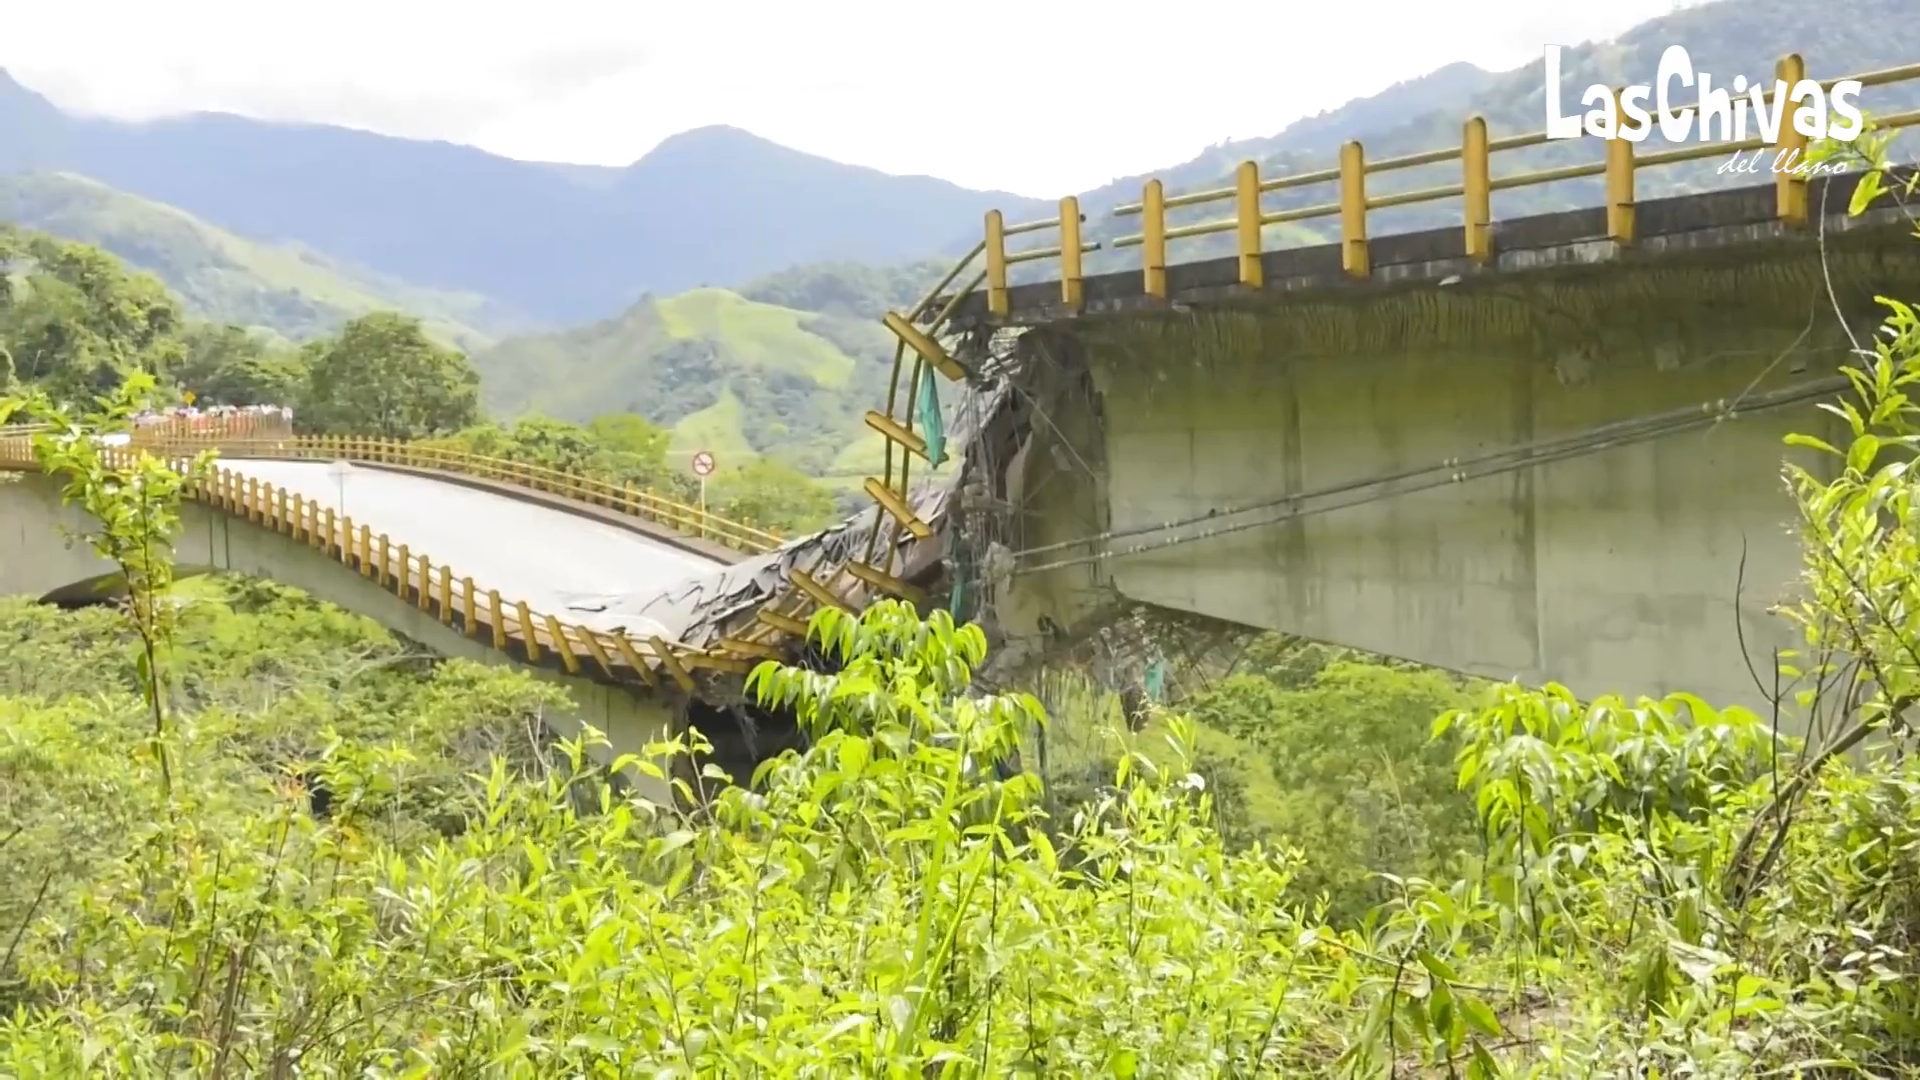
[
  {"x": 1153, "y": 238},
  {"x": 1247, "y": 224},
  {"x": 1619, "y": 185},
  {"x": 366, "y": 551},
  {"x": 468, "y": 610},
  {"x": 1789, "y": 185},
  {"x": 1476, "y": 186},
  {"x": 327, "y": 531},
  {"x": 528, "y": 635},
  {"x": 383, "y": 561},
  {"x": 446, "y": 595},
  {"x": 1353, "y": 211},
  {"x": 426, "y": 584},
  {"x": 401, "y": 579},
  {"x": 560, "y": 646},
  {"x": 998, "y": 303},
  {"x": 498, "y": 619},
  {"x": 299, "y": 530},
  {"x": 1071, "y": 292}
]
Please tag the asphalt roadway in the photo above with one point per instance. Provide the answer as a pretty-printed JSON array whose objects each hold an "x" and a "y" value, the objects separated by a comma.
[{"x": 549, "y": 558}]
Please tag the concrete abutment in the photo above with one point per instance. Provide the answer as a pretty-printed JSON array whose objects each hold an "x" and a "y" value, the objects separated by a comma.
[{"x": 1636, "y": 567}]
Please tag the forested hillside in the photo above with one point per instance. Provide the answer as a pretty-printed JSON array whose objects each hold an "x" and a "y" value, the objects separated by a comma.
[{"x": 725, "y": 373}]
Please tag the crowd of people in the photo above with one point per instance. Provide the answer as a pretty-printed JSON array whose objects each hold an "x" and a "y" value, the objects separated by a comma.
[{"x": 214, "y": 418}]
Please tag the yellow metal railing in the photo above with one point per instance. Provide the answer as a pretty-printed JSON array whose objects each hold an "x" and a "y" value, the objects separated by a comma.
[
  {"x": 511, "y": 627},
  {"x": 1351, "y": 204},
  {"x": 271, "y": 436},
  {"x": 624, "y": 499}
]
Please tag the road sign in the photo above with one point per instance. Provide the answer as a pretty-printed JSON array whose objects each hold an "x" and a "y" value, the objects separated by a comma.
[{"x": 703, "y": 464}]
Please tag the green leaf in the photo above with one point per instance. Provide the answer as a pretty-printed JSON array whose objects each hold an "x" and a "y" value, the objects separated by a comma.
[
  {"x": 1861, "y": 454},
  {"x": 1483, "y": 1067},
  {"x": 1869, "y": 189},
  {"x": 1811, "y": 442},
  {"x": 1437, "y": 967},
  {"x": 1480, "y": 1017}
]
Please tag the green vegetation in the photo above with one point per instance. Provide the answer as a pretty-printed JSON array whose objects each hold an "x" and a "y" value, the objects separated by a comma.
[
  {"x": 241, "y": 833},
  {"x": 77, "y": 324},
  {"x": 849, "y": 290},
  {"x": 1330, "y": 753},
  {"x": 727, "y": 374},
  {"x": 367, "y": 865},
  {"x": 622, "y": 448},
  {"x": 382, "y": 376},
  {"x": 286, "y": 291},
  {"x": 336, "y": 858}
]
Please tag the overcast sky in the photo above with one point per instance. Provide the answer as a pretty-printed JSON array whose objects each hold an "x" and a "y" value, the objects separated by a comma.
[{"x": 1037, "y": 97}]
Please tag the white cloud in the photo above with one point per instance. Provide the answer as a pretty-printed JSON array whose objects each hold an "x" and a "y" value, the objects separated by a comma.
[{"x": 1024, "y": 95}]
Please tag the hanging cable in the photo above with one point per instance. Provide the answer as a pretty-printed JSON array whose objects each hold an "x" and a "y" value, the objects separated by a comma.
[
  {"x": 1683, "y": 417},
  {"x": 1450, "y": 471}
]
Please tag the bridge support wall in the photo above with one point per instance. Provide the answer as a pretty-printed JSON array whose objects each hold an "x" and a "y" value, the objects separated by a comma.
[
  {"x": 37, "y": 559},
  {"x": 1618, "y": 571}
]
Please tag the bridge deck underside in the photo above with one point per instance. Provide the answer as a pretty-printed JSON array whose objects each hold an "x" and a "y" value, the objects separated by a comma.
[{"x": 1618, "y": 570}]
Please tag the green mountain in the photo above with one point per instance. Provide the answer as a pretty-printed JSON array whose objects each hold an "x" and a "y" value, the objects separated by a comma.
[
  {"x": 564, "y": 244},
  {"x": 727, "y": 374},
  {"x": 289, "y": 289}
]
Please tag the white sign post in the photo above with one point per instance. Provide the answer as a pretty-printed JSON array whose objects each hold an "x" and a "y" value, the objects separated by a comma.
[
  {"x": 339, "y": 471},
  {"x": 703, "y": 468}
]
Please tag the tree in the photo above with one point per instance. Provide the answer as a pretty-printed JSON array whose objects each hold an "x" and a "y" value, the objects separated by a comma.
[
  {"x": 229, "y": 365},
  {"x": 620, "y": 448},
  {"x": 383, "y": 376},
  {"x": 772, "y": 495},
  {"x": 630, "y": 433},
  {"x": 79, "y": 322}
]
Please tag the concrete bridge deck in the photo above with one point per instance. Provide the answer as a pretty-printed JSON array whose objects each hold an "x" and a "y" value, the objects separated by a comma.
[{"x": 558, "y": 562}]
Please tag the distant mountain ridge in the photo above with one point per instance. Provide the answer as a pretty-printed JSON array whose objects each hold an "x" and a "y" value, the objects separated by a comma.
[
  {"x": 289, "y": 289},
  {"x": 1725, "y": 37},
  {"x": 713, "y": 206}
]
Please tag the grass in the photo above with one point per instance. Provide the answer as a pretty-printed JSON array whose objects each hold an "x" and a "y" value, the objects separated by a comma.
[
  {"x": 719, "y": 429},
  {"x": 757, "y": 335}
]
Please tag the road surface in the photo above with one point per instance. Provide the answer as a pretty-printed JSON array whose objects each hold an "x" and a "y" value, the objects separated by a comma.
[{"x": 559, "y": 563}]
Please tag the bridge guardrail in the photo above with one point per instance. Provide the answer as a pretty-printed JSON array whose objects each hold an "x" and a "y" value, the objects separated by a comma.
[
  {"x": 620, "y": 498},
  {"x": 436, "y": 589},
  {"x": 1351, "y": 203},
  {"x": 271, "y": 435}
]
